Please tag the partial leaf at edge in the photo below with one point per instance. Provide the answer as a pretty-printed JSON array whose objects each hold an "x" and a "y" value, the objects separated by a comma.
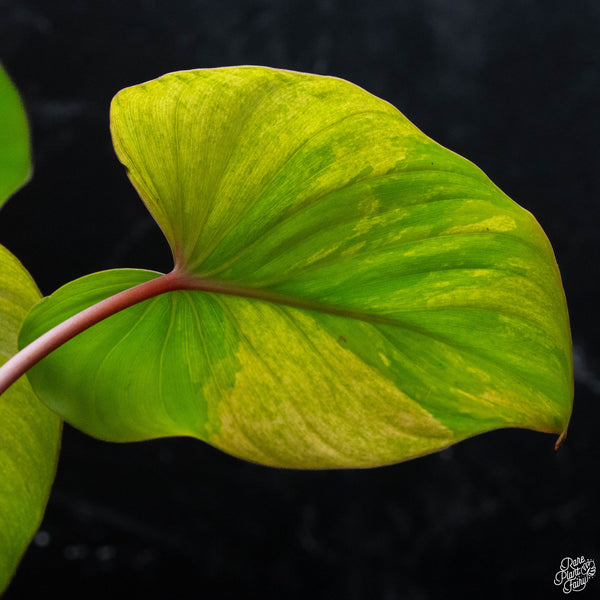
[
  {"x": 389, "y": 290},
  {"x": 29, "y": 431},
  {"x": 15, "y": 163}
]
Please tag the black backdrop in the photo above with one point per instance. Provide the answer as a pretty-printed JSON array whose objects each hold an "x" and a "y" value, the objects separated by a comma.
[{"x": 512, "y": 85}]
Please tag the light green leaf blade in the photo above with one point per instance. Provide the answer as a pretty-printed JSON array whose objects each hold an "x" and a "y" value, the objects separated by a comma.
[
  {"x": 14, "y": 140},
  {"x": 391, "y": 300},
  {"x": 206, "y": 366},
  {"x": 29, "y": 432}
]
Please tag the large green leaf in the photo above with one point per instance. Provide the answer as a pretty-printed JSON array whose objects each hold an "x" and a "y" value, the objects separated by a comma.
[
  {"x": 353, "y": 294},
  {"x": 29, "y": 432},
  {"x": 14, "y": 139}
]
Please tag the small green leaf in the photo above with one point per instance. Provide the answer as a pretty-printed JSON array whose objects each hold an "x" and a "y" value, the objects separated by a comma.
[
  {"x": 29, "y": 432},
  {"x": 353, "y": 294},
  {"x": 14, "y": 140}
]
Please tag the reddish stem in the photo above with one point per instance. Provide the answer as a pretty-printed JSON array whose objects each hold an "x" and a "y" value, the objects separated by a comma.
[
  {"x": 177, "y": 279},
  {"x": 21, "y": 362}
]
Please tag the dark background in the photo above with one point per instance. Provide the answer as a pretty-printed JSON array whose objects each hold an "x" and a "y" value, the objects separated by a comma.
[{"x": 513, "y": 86}]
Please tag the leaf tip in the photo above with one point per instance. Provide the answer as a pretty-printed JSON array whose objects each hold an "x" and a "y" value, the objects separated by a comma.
[{"x": 561, "y": 438}]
